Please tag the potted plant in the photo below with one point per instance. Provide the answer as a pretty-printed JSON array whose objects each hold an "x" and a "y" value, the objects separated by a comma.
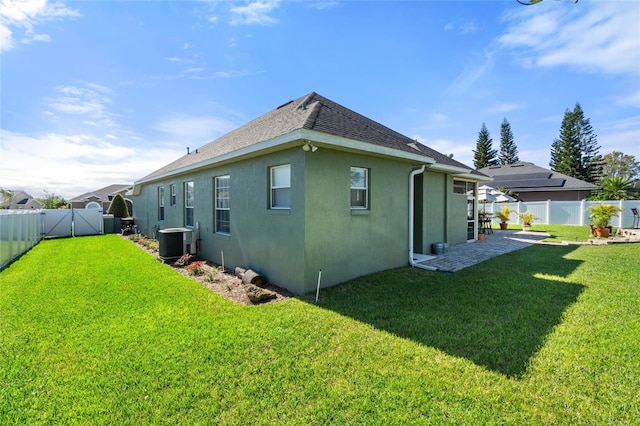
[
  {"x": 526, "y": 218},
  {"x": 503, "y": 215},
  {"x": 601, "y": 214}
]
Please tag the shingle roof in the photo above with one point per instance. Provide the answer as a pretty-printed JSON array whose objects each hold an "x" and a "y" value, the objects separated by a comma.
[
  {"x": 310, "y": 112},
  {"x": 102, "y": 193},
  {"x": 527, "y": 177}
]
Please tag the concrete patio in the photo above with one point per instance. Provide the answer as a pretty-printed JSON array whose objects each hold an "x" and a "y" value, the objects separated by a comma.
[
  {"x": 501, "y": 242},
  {"x": 494, "y": 244}
]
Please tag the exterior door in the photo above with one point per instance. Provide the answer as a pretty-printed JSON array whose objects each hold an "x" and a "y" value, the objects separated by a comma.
[{"x": 471, "y": 218}]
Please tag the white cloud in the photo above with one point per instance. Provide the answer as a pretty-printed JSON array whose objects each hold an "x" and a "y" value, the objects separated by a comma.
[
  {"x": 503, "y": 107},
  {"x": 472, "y": 73},
  {"x": 256, "y": 13},
  {"x": 70, "y": 164},
  {"x": 468, "y": 28},
  {"x": 86, "y": 98},
  {"x": 629, "y": 99},
  {"x": 591, "y": 36},
  {"x": 462, "y": 150},
  {"x": 194, "y": 131},
  {"x": 22, "y": 16},
  {"x": 324, "y": 5}
]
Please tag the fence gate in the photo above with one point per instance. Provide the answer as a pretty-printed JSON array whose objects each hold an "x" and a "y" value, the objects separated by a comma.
[
  {"x": 57, "y": 223},
  {"x": 65, "y": 223},
  {"x": 87, "y": 222}
]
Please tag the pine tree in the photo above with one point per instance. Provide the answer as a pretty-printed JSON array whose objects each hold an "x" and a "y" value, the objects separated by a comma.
[
  {"x": 591, "y": 161},
  {"x": 484, "y": 155},
  {"x": 575, "y": 153},
  {"x": 118, "y": 206},
  {"x": 508, "y": 148}
]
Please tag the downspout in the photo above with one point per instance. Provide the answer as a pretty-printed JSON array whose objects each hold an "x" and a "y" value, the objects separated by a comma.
[{"x": 413, "y": 263}]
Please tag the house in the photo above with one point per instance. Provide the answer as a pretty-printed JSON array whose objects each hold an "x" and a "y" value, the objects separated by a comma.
[
  {"x": 19, "y": 200},
  {"x": 534, "y": 183},
  {"x": 311, "y": 186},
  {"x": 101, "y": 198}
]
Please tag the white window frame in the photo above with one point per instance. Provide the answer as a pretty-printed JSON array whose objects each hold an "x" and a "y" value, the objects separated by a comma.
[
  {"x": 283, "y": 186},
  {"x": 222, "y": 203},
  {"x": 189, "y": 201},
  {"x": 172, "y": 194},
  {"x": 161, "y": 203},
  {"x": 364, "y": 189}
]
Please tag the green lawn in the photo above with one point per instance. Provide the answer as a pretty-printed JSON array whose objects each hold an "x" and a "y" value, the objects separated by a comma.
[{"x": 95, "y": 331}]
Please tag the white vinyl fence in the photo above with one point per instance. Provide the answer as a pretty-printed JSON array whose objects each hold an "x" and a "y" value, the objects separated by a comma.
[
  {"x": 20, "y": 230},
  {"x": 564, "y": 212}
]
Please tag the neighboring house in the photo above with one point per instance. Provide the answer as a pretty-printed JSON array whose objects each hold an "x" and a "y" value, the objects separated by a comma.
[
  {"x": 20, "y": 200},
  {"x": 101, "y": 198},
  {"x": 312, "y": 186},
  {"x": 533, "y": 183}
]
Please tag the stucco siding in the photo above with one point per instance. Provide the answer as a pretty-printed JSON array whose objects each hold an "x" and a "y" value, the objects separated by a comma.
[
  {"x": 348, "y": 243},
  {"x": 268, "y": 241}
]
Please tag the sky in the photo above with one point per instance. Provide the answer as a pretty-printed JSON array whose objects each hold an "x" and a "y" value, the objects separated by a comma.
[{"x": 98, "y": 93}]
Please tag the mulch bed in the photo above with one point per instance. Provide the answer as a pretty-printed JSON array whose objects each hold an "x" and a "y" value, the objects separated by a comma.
[{"x": 225, "y": 283}]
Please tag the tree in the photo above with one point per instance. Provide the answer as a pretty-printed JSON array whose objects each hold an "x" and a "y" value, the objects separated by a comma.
[
  {"x": 5, "y": 194},
  {"x": 484, "y": 155},
  {"x": 508, "y": 148},
  {"x": 617, "y": 164},
  {"x": 615, "y": 188},
  {"x": 575, "y": 153},
  {"x": 52, "y": 201},
  {"x": 118, "y": 206}
]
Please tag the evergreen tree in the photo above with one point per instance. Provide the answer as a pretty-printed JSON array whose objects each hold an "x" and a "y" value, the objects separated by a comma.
[
  {"x": 591, "y": 160},
  {"x": 484, "y": 155},
  {"x": 118, "y": 206},
  {"x": 508, "y": 148},
  {"x": 575, "y": 153}
]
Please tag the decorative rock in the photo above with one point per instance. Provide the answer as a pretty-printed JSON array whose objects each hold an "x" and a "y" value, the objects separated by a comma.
[{"x": 257, "y": 294}]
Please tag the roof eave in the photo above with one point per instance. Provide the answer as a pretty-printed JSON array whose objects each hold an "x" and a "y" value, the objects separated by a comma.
[{"x": 289, "y": 140}]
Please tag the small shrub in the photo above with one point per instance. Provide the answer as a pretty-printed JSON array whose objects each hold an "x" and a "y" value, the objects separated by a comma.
[
  {"x": 196, "y": 268},
  {"x": 118, "y": 206},
  {"x": 184, "y": 260}
]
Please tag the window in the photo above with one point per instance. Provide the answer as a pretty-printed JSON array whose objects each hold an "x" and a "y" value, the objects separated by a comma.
[
  {"x": 280, "y": 187},
  {"x": 464, "y": 187},
  {"x": 161, "y": 203},
  {"x": 359, "y": 181},
  {"x": 222, "y": 211},
  {"x": 188, "y": 203},
  {"x": 172, "y": 194}
]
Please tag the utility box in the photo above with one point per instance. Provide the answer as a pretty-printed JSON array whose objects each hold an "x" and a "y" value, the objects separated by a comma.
[{"x": 174, "y": 242}]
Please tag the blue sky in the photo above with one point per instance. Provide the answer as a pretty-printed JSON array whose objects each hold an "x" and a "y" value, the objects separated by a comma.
[{"x": 95, "y": 93}]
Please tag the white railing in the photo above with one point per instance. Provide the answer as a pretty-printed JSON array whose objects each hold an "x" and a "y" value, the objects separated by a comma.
[
  {"x": 564, "y": 212},
  {"x": 20, "y": 230}
]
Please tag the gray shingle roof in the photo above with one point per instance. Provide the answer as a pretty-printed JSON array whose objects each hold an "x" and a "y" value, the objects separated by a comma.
[
  {"x": 310, "y": 112},
  {"x": 102, "y": 193},
  {"x": 527, "y": 177}
]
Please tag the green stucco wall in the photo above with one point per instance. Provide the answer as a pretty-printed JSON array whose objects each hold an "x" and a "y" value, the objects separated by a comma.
[
  {"x": 320, "y": 231},
  {"x": 348, "y": 243}
]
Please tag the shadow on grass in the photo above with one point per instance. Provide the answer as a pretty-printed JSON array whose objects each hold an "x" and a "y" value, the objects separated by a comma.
[{"x": 497, "y": 313}]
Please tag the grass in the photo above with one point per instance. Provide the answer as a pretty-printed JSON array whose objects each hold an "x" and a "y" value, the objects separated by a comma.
[{"x": 94, "y": 331}]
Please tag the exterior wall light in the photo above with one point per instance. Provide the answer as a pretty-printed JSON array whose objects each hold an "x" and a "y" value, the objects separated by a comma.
[{"x": 307, "y": 146}]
